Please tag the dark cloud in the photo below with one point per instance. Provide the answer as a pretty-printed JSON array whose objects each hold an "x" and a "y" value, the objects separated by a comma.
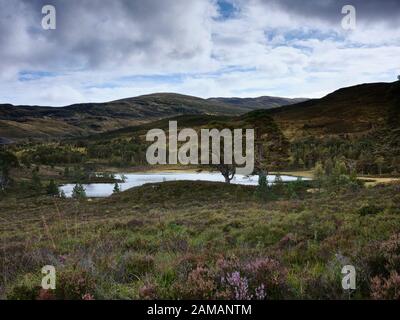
[
  {"x": 368, "y": 11},
  {"x": 92, "y": 33}
]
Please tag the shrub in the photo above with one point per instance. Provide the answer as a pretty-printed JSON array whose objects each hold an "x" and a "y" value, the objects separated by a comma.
[
  {"x": 238, "y": 285},
  {"x": 266, "y": 274},
  {"x": 387, "y": 253},
  {"x": 74, "y": 284},
  {"x": 52, "y": 189},
  {"x": 369, "y": 210},
  {"x": 88, "y": 296},
  {"x": 200, "y": 284},
  {"x": 148, "y": 292},
  {"x": 385, "y": 289},
  {"x": 323, "y": 286},
  {"x": 136, "y": 265},
  {"x": 46, "y": 295},
  {"x": 23, "y": 292},
  {"x": 188, "y": 262},
  {"x": 116, "y": 189},
  {"x": 262, "y": 188},
  {"x": 26, "y": 288},
  {"x": 79, "y": 192},
  {"x": 295, "y": 188},
  {"x": 336, "y": 176},
  {"x": 381, "y": 263},
  {"x": 262, "y": 278}
]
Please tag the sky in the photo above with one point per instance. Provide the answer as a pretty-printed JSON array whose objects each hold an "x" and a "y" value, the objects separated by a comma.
[{"x": 108, "y": 50}]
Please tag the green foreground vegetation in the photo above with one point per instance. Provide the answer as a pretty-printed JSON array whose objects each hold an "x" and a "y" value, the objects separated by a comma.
[{"x": 200, "y": 240}]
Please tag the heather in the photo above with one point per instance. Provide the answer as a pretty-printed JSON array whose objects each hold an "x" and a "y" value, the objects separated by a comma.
[{"x": 201, "y": 240}]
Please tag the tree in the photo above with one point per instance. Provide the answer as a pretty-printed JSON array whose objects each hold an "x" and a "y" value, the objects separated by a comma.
[
  {"x": 340, "y": 168},
  {"x": 319, "y": 174},
  {"x": 262, "y": 188},
  {"x": 380, "y": 161},
  {"x": 116, "y": 188},
  {"x": 227, "y": 167},
  {"x": 227, "y": 171},
  {"x": 269, "y": 148},
  {"x": 79, "y": 192},
  {"x": 263, "y": 181},
  {"x": 398, "y": 77},
  {"x": 52, "y": 189},
  {"x": 62, "y": 194}
]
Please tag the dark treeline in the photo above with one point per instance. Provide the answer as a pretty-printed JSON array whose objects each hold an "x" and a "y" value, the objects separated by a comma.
[
  {"x": 367, "y": 155},
  {"x": 119, "y": 153}
]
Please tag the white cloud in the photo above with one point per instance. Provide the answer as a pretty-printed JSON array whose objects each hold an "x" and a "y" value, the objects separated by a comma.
[{"x": 103, "y": 51}]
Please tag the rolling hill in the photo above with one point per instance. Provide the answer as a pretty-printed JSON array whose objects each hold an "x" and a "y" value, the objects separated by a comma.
[
  {"x": 17, "y": 122},
  {"x": 354, "y": 110}
]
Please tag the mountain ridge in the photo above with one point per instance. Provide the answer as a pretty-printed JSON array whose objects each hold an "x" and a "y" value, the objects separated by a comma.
[
  {"x": 26, "y": 121},
  {"x": 354, "y": 110}
]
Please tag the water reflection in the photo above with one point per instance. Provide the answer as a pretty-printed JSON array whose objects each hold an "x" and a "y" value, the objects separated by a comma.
[{"x": 138, "y": 179}]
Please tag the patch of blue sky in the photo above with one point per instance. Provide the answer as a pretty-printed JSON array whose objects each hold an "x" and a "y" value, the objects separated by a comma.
[
  {"x": 35, "y": 75},
  {"x": 105, "y": 85},
  {"x": 355, "y": 45},
  {"x": 228, "y": 69},
  {"x": 227, "y": 9},
  {"x": 287, "y": 37},
  {"x": 306, "y": 34}
]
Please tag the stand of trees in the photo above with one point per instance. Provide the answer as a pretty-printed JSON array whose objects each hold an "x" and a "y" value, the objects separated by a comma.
[{"x": 373, "y": 154}]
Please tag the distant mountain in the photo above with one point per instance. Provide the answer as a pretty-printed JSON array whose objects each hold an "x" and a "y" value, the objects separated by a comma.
[
  {"x": 353, "y": 112},
  {"x": 258, "y": 103},
  {"x": 18, "y": 122}
]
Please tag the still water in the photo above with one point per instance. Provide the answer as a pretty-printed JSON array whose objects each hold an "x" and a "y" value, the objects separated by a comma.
[{"x": 101, "y": 190}]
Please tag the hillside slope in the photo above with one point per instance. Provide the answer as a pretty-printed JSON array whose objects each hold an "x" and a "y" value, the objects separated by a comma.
[
  {"x": 349, "y": 111},
  {"x": 359, "y": 125},
  {"x": 127, "y": 146},
  {"x": 81, "y": 119}
]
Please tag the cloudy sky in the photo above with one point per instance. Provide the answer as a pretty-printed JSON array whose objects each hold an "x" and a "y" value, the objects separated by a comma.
[{"x": 107, "y": 50}]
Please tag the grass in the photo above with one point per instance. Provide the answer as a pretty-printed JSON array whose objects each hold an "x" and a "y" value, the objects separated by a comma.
[{"x": 178, "y": 240}]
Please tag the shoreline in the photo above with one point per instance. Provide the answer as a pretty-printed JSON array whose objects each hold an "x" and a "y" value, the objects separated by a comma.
[{"x": 370, "y": 181}]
